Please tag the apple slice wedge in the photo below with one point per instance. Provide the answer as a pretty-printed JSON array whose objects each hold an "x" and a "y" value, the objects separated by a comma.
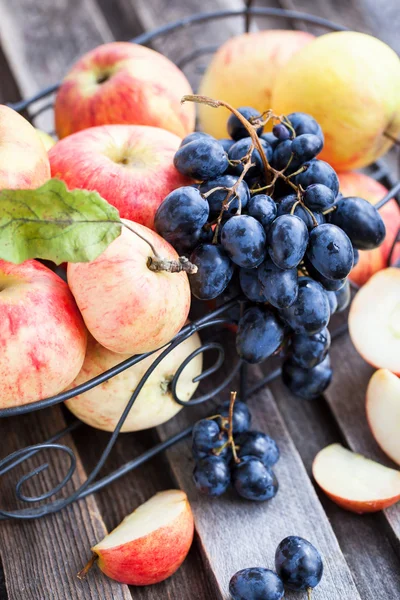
[
  {"x": 355, "y": 482},
  {"x": 383, "y": 411},
  {"x": 150, "y": 544}
]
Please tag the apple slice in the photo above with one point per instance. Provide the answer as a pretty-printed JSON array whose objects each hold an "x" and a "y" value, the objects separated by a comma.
[
  {"x": 150, "y": 544},
  {"x": 374, "y": 320},
  {"x": 383, "y": 411},
  {"x": 355, "y": 482}
]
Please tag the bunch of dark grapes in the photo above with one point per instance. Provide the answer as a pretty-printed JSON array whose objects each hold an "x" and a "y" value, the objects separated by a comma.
[
  {"x": 228, "y": 453},
  {"x": 267, "y": 213}
]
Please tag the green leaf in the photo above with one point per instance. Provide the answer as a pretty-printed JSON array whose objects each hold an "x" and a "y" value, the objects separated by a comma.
[{"x": 55, "y": 224}]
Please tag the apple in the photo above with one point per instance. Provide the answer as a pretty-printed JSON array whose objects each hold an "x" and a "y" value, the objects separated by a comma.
[
  {"x": 127, "y": 307},
  {"x": 23, "y": 158},
  {"x": 150, "y": 544},
  {"x": 374, "y": 320},
  {"x": 338, "y": 78},
  {"x": 243, "y": 73},
  {"x": 47, "y": 141},
  {"x": 42, "y": 335},
  {"x": 131, "y": 166},
  {"x": 383, "y": 411},
  {"x": 123, "y": 83},
  {"x": 371, "y": 261},
  {"x": 102, "y": 406},
  {"x": 355, "y": 482}
]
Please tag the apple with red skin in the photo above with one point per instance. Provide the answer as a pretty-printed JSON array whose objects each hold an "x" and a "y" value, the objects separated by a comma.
[
  {"x": 23, "y": 158},
  {"x": 127, "y": 307},
  {"x": 123, "y": 83},
  {"x": 150, "y": 544},
  {"x": 131, "y": 166},
  {"x": 383, "y": 411},
  {"x": 374, "y": 487},
  {"x": 42, "y": 334}
]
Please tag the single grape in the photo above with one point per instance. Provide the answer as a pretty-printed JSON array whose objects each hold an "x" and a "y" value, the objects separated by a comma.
[
  {"x": 256, "y": 583},
  {"x": 310, "y": 350},
  {"x": 241, "y": 148},
  {"x": 303, "y": 123},
  {"x": 214, "y": 271},
  {"x": 195, "y": 136},
  {"x": 205, "y": 435},
  {"x": 287, "y": 241},
  {"x": 204, "y": 158},
  {"x": 282, "y": 158},
  {"x": 236, "y": 129},
  {"x": 244, "y": 240},
  {"x": 253, "y": 480},
  {"x": 306, "y": 146},
  {"x": 333, "y": 303},
  {"x": 259, "y": 335},
  {"x": 343, "y": 297},
  {"x": 310, "y": 312},
  {"x": 330, "y": 251},
  {"x": 261, "y": 445},
  {"x": 356, "y": 256},
  {"x": 280, "y": 286},
  {"x": 251, "y": 285},
  {"x": 298, "y": 563},
  {"x": 318, "y": 197},
  {"x": 361, "y": 221},
  {"x": 285, "y": 206},
  {"x": 328, "y": 284},
  {"x": 281, "y": 132},
  {"x": 318, "y": 171},
  {"x": 241, "y": 420},
  {"x": 212, "y": 475},
  {"x": 263, "y": 208},
  {"x": 307, "y": 383},
  {"x": 226, "y": 143},
  {"x": 270, "y": 138},
  {"x": 216, "y": 199}
]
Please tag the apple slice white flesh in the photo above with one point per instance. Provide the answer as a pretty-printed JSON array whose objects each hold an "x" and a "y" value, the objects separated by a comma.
[
  {"x": 383, "y": 411},
  {"x": 374, "y": 320},
  {"x": 355, "y": 482}
]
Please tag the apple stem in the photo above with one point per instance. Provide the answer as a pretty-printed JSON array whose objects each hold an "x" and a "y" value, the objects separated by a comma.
[{"x": 83, "y": 572}]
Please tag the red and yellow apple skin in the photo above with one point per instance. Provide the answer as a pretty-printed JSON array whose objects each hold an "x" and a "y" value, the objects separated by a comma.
[
  {"x": 24, "y": 163},
  {"x": 128, "y": 308},
  {"x": 243, "y": 73},
  {"x": 371, "y": 261},
  {"x": 383, "y": 411},
  {"x": 42, "y": 334},
  {"x": 131, "y": 166},
  {"x": 124, "y": 83}
]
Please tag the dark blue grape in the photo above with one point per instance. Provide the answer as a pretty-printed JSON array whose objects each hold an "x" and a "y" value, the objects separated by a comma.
[
  {"x": 263, "y": 208},
  {"x": 318, "y": 197},
  {"x": 256, "y": 583},
  {"x": 205, "y": 436},
  {"x": 253, "y": 480},
  {"x": 214, "y": 271},
  {"x": 318, "y": 171},
  {"x": 307, "y": 383},
  {"x": 356, "y": 256},
  {"x": 244, "y": 240},
  {"x": 306, "y": 147},
  {"x": 332, "y": 301},
  {"x": 310, "y": 312},
  {"x": 280, "y": 286},
  {"x": 212, "y": 476},
  {"x": 226, "y": 143},
  {"x": 204, "y": 158},
  {"x": 270, "y": 138},
  {"x": 310, "y": 350},
  {"x": 256, "y": 443},
  {"x": 216, "y": 199},
  {"x": 236, "y": 129},
  {"x": 241, "y": 420},
  {"x": 281, "y": 132},
  {"x": 195, "y": 136},
  {"x": 285, "y": 206},
  {"x": 303, "y": 123},
  {"x": 282, "y": 158},
  {"x": 259, "y": 335},
  {"x": 298, "y": 563},
  {"x": 330, "y": 251},
  {"x": 361, "y": 221},
  {"x": 287, "y": 241},
  {"x": 241, "y": 149},
  {"x": 343, "y": 297},
  {"x": 251, "y": 285},
  {"x": 328, "y": 284}
]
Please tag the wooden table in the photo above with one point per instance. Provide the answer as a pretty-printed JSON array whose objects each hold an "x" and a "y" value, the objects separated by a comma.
[{"x": 40, "y": 559}]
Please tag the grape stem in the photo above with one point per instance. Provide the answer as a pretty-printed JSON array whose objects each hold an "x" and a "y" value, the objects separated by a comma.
[
  {"x": 309, "y": 593},
  {"x": 230, "y": 430}
]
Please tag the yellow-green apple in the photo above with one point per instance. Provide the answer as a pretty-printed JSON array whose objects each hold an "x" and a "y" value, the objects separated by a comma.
[
  {"x": 374, "y": 320},
  {"x": 371, "y": 261},
  {"x": 127, "y": 307},
  {"x": 123, "y": 83},
  {"x": 102, "y": 406},
  {"x": 383, "y": 411},
  {"x": 42, "y": 334},
  {"x": 355, "y": 482},
  {"x": 150, "y": 544},
  {"x": 23, "y": 158},
  {"x": 47, "y": 141},
  {"x": 350, "y": 83},
  {"x": 131, "y": 166},
  {"x": 243, "y": 73}
]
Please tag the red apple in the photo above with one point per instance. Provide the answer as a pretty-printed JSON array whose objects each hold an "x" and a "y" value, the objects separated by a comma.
[
  {"x": 131, "y": 166},
  {"x": 127, "y": 307},
  {"x": 374, "y": 320},
  {"x": 371, "y": 261},
  {"x": 23, "y": 158},
  {"x": 355, "y": 482},
  {"x": 42, "y": 335},
  {"x": 150, "y": 544},
  {"x": 123, "y": 83},
  {"x": 383, "y": 411}
]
